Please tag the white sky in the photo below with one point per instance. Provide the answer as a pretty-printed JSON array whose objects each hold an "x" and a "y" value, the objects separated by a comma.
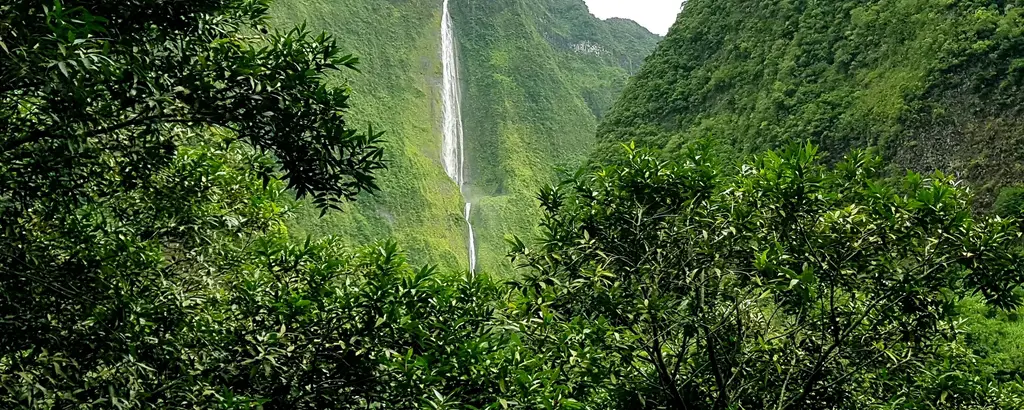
[{"x": 656, "y": 15}]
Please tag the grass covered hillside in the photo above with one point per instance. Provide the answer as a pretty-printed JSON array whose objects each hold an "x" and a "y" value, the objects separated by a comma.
[
  {"x": 537, "y": 77},
  {"x": 397, "y": 91},
  {"x": 935, "y": 84}
]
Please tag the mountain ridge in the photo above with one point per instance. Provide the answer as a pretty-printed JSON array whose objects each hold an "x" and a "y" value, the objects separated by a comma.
[{"x": 933, "y": 85}]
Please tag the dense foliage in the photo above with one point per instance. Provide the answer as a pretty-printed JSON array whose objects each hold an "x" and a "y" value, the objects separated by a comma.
[
  {"x": 77, "y": 84},
  {"x": 935, "y": 84},
  {"x": 150, "y": 152},
  {"x": 210, "y": 306},
  {"x": 1010, "y": 201},
  {"x": 144, "y": 260},
  {"x": 791, "y": 285}
]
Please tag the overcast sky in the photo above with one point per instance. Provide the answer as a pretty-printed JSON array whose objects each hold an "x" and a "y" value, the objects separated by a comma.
[{"x": 656, "y": 15}]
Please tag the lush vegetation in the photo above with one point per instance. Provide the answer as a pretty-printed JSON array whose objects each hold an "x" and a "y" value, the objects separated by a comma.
[
  {"x": 790, "y": 285},
  {"x": 150, "y": 255},
  {"x": 934, "y": 84}
]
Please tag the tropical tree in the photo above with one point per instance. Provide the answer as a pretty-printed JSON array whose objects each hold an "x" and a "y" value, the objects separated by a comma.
[{"x": 786, "y": 285}]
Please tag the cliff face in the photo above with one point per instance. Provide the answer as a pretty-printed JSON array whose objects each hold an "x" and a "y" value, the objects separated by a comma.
[
  {"x": 933, "y": 84},
  {"x": 396, "y": 91},
  {"x": 537, "y": 76}
]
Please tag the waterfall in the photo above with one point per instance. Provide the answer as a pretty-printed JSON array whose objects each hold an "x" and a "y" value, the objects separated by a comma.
[
  {"x": 472, "y": 240},
  {"x": 452, "y": 149}
]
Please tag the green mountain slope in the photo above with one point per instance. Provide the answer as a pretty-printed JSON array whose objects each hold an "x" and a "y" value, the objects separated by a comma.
[
  {"x": 538, "y": 76},
  {"x": 935, "y": 84},
  {"x": 396, "y": 90}
]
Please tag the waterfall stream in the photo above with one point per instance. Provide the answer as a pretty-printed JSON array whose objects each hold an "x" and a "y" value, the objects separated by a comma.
[{"x": 452, "y": 149}]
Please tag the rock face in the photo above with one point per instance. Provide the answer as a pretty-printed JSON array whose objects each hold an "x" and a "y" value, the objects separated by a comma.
[{"x": 932, "y": 84}]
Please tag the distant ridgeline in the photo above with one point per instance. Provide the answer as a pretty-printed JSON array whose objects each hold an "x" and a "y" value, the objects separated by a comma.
[
  {"x": 935, "y": 84},
  {"x": 536, "y": 77}
]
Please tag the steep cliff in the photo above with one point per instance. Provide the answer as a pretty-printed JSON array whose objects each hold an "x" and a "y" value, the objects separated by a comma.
[
  {"x": 537, "y": 76},
  {"x": 397, "y": 91}
]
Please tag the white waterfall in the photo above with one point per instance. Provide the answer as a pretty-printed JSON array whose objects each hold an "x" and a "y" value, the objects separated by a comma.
[
  {"x": 452, "y": 149},
  {"x": 451, "y": 146}
]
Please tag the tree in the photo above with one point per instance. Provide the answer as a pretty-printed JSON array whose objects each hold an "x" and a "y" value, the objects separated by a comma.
[
  {"x": 95, "y": 86},
  {"x": 98, "y": 97},
  {"x": 790, "y": 285}
]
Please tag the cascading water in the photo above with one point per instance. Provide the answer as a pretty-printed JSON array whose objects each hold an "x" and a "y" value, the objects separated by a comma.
[
  {"x": 452, "y": 150},
  {"x": 472, "y": 240}
]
